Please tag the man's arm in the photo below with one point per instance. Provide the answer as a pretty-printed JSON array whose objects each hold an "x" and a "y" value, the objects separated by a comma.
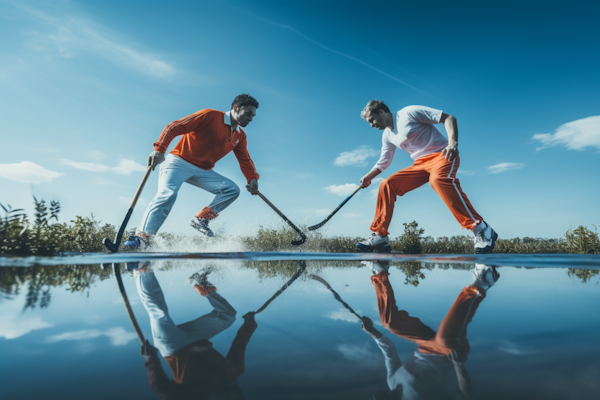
[
  {"x": 247, "y": 166},
  {"x": 236, "y": 355},
  {"x": 159, "y": 381},
  {"x": 451, "y": 126}
]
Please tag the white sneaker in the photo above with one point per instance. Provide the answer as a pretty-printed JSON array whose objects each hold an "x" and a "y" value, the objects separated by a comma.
[
  {"x": 485, "y": 238},
  {"x": 485, "y": 276},
  {"x": 377, "y": 266},
  {"x": 376, "y": 243}
]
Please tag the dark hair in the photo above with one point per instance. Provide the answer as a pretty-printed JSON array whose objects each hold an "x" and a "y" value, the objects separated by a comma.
[
  {"x": 373, "y": 107},
  {"x": 244, "y": 100}
]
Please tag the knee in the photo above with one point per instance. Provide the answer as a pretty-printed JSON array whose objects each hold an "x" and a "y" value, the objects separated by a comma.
[
  {"x": 165, "y": 196},
  {"x": 234, "y": 190},
  {"x": 437, "y": 181}
]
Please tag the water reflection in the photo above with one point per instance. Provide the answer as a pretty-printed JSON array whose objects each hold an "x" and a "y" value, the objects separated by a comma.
[{"x": 437, "y": 369}]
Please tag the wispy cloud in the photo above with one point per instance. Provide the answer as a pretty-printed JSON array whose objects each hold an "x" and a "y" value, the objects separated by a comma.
[
  {"x": 70, "y": 36},
  {"x": 503, "y": 167},
  {"x": 575, "y": 135},
  {"x": 356, "y": 157},
  {"x": 323, "y": 211},
  {"x": 355, "y": 353},
  {"x": 341, "y": 190},
  {"x": 118, "y": 336},
  {"x": 125, "y": 167},
  {"x": 375, "y": 187},
  {"x": 27, "y": 172},
  {"x": 466, "y": 172},
  {"x": 339, "y": 53},
  {"x": 13, "y": 327}
]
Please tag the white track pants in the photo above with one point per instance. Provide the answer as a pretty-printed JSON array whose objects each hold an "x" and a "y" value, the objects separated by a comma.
[
  {"x": 168, "y": 337},
  {"x": 174, "y": 171}
]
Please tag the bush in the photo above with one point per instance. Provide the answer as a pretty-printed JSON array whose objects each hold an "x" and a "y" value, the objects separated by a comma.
[{"x": 582, "y": 241}]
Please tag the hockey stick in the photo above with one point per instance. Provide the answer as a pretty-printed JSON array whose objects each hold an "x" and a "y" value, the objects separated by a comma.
[
  {"x": 302, "y": 235},
  {"x": 301, "y": 268},
  {"x": 114, "y": 247},
  {"x": 337, "y": 296},
  {"x": 138, "y": 330},
  {"x": 320, "y": 224}
]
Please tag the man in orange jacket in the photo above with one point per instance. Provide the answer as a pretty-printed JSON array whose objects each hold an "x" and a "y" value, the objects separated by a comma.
[{"x": 207, "y": 136}]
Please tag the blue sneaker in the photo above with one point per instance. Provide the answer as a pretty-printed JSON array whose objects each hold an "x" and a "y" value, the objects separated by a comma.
[
  {"x": 134, "y": 241},
  {"x": 201, "y": 225}
]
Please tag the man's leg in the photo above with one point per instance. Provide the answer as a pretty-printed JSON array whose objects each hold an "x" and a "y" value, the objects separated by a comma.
[
  {"x": 220, "y": 318},
  {"x": 396, "y": 185},
  {"x": 443, "y": 181},
  {"x": 173, "y": 172},
  {"x": 226, "y": 191},
  {"x": 398, "y": 321}
]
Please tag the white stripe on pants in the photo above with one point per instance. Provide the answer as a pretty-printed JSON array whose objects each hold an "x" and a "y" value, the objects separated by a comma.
[
  {"x": 174, "y": 171},
  {"x": 168, "y": 337}
]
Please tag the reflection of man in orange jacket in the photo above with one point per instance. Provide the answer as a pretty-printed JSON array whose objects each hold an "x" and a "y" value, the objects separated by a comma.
[
  {"x": 436, "y": 371},
  {"x": 199, "y": 371}
]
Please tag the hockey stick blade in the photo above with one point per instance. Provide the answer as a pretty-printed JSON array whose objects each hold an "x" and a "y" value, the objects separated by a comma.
[
  {"x": 294, "y": 227},
  {"x": 320, "y": 224}
]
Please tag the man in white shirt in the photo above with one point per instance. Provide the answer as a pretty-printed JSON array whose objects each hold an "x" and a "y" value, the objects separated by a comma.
[{"x": 436, "y": 161}]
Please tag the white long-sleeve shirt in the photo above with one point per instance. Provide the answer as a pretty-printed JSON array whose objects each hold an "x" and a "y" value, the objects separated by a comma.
[
  {"x": 414, "y": 133},
  {"x": 423, "y": 376}
]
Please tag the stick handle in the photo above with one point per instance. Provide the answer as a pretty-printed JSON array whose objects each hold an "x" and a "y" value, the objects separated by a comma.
[
  {"x": 296, "y": 275},
  {"x": 337, "y": 296},
  {"x": 342, "y": 204},
  {"x": 138, "y": 330},
  {"x": 290, "y": 223},
  {"x": 139, "y": 190}
]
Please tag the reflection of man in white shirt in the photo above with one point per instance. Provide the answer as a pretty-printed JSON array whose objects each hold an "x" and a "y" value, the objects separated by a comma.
[
  {"x": 436, "y": 370},
  {"x": 436, "y": 161}
]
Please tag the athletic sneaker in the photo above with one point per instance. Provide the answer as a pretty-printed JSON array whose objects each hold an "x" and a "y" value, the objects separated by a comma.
[
  {"x": 485, "y": 276},
  {"x": 137, "y": 241},
  {"x": 199, "y": 281},
  {"x": 376, "y": 243},
  {"x": 377, "y": 266},
  {"x": 485, "y": 238},
  {"x": 202, "y": 226}
]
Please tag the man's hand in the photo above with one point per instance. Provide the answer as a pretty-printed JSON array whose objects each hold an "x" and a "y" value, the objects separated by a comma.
[
  {"x": 147, "y": 351},
  {"x": 365, "y": 181},
  {"x": 450, "y": 152},
  {"x": 367, "y": 326},
  {"x": 249, "y": 319},
  {"x": 155, "y": 158},
  {"x": 253, "y": 187}
]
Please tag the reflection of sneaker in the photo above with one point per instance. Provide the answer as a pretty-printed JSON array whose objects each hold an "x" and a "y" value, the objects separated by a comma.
[
  {"x": 377, "y": 266},
  {"x": 202, "y": 226},
  {"x": 376, "y": 243},
  {"x": 199, "y": 281},
  {"x": 485, "y": 276},
  {"x": 485, "y": 238}
]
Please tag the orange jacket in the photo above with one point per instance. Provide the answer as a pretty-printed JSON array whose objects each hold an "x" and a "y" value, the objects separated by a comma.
[{"x": 206, "y": 140}]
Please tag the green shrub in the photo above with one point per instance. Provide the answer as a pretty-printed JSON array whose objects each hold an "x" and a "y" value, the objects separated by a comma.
[{"x": 582, "y": 241}]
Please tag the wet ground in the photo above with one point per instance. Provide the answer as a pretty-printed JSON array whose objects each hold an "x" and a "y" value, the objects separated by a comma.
[{"x": 443, "y": 327}]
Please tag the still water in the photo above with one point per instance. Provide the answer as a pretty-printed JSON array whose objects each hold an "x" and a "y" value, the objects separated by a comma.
[{"x": 327, "y": 327}]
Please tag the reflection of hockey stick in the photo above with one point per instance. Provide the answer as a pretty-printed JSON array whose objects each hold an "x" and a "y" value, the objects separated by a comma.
[
  {"x": 294, "y": 227},
  {"x": 301, "y": 268},
  {"x": 320, "y": 224},
  {"x": 117, "y": 269},
  {"x": 337, "y": 296}
]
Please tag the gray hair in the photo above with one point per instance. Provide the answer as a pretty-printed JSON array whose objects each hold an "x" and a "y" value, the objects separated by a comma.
[{"x": 373, "y": 106}]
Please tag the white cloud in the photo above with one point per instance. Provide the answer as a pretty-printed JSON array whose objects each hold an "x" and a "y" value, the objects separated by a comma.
[
  {"x": 342, "y": 190},
  {"x": 27, "y": 172},
  {"x": 341, "y": 314},
  {"x": 71, "y": 35},
  {"x": 13, "y": 327},
  {"x": 118, "y": 336},
  {"x": 355, "y": 353},
  {"x": 356, "y": 157},
  {"x": 466, "y": 172},
  {"x": 503, "y": 167},
  {"x": 375, "y": 187},
  {"x": 93, "y": 167},
  {"x": 574, "y": 135},
  {"x": 125, "y": 167},
  {"x": 324, "y": 211}
]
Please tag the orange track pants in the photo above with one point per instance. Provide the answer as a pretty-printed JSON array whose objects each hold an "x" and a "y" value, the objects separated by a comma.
[
  {"x": 441, "y": 174},
  {"x": 452, "y": 332}
]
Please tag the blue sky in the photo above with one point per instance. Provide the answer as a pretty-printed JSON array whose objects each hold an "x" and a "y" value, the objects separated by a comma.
[{"x": 87, "y": 87}]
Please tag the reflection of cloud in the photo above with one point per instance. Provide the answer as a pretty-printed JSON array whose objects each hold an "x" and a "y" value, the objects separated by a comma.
[
  {"x": 13, "y": 327},
  {"x": 342, "y": 190},
  {"x": 125, "y": 167},
  {"x": 27, "y": 172},
  {"x": 71, "y": 35},
  {"x": 355, "y": 352},
  {"x": 342, "y": 314},
  {"x": 514, "y": 348},
  {"x": 118, "y": 336},
  {"x": 575, "y": 135},
  {"x": 356, "y": 157},
  {"x": 503, "y": 167}
]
